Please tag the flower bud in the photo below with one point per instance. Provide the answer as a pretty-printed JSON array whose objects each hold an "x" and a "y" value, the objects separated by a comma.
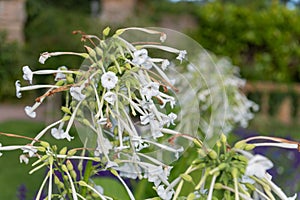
[
  {"x": 66, "y": 110},
  {"x": 106, "y": 31},
  {"x": 223, "y": 138},
  {"x": 63, "y": 151},
  {"x": 212, "y": 154},
  {"x": 249, "y": 147},
  {"x": 45, "y": 144},
  {"x": 72, "y": 152},
  {"x": 240, "y": 145},
  {"x": 69, "y": 165}
]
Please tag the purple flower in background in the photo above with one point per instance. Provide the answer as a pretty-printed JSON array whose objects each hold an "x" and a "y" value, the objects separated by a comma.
[{"x": 21, "y": 195}]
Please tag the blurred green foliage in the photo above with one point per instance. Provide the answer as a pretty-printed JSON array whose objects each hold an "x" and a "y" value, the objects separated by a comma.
[
  {"x": 264, "y": 42},
  {"x": 9, "y": 62}
]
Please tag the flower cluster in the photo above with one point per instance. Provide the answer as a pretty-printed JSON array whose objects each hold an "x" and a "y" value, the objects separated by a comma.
[
  {"x": 135, "y": 115},
  {"x": 117, "y": 83}
]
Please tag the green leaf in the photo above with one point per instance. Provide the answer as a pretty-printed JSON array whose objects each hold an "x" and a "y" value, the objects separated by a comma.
[{"x": 112, "y": 188}]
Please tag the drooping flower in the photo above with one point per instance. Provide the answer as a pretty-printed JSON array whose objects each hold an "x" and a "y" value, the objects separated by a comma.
[
  {"x": 110, "y": 97},
  {"x": 60, "y": 134},
  {"x": 60, "y": 75},
  {"x": 165, "y": 64},
  {"x": 258, "y": 165},
  {"x": 109, "y": 80},
  {"x": 171, "y": 118},
  {"x": 23, "y": 159},
  {"x": 29, "y": 149},
  {"x": 164, "y": 193},
  {"x": 30, "y": 112},
  {"x": 76, "y": 93},
  {"x": 27, "y": 74},
  {"x": 181, "y": 55},
  {"x": 150, "y": 90}
]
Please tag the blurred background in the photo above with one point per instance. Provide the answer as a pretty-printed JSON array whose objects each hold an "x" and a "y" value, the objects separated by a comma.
[{"x": 261, "y": 37}]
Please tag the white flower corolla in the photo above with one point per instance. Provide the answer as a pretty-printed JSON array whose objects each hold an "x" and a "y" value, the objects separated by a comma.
[
  {"x": 258, "y": 165},
  {"x": 145, "y": 119},
  {"x": 155, "y": 129},
  {"x": 129, "y": 170},
  {"x": 293, "y": 197},
  {"x": 150, "y": 90},
  {"x": 60, "y": 134},
  {"x": 110, "y": 97},
  {"x": 23, "y": 159},
  {"x": 163, "y": 193},
  {"x": 158, "y": 174},
  {"x": 30, "y": 111},
  {"x": 29, "y": 149},
  {"x": 31, "y": 87},
  {"x": 109, "y": 80},
  {"x": 18, "y": 89},
  {"x": 76, "y": 93},
  {"x": 103, "y": 147},
  {"x": 27, "y": 74},
  {"x": 170, "y": 119},
  {"x": 181, "y": 55},
  {"x": 139, "y": 144},
  {"x": 140, "y": 57},
  {"x": 165, "y": 64},
  {"x": 43, "y": 57},
  {"x": 60, "y": 75}
]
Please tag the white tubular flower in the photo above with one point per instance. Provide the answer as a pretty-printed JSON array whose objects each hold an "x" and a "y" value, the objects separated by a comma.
[
  {"x": 76, "y": 93},
  {"x": 31, "y": 150},
  {"x": 30, "y": 110},
  {"x": 44, "y": 56},
  {"x": 109, "y": 80},
  {"x": 150, "y": 90},
  {"x": 110, "y": 97},
  {"x": 145, "y": 119},
  {"x": 155, "y": 129},
  {"x": 140, "y": 56},
  {"x": 181, "y": 55},
  {"x": 171, "y": 118},
  {"x": 0, "y": 147},
  {"x": 23, "y": 159},
  {"x": 258, "y": 165},
  {"x": 163, "y": 193},
  {"x": 165, "y": 63},
  {"x": 129, "y": 170},
  {"x": 19, "y": 89},
  {"x": 28, "y": 74},
  {"x": 59, "y": 134},
  {"x": 60, "y": 75}
]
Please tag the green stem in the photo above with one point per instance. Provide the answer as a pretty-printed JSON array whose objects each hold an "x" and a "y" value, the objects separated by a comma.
[{"x": 86, "y": 176}]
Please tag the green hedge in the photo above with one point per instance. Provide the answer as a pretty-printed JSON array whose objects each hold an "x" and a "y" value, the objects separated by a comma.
[{"x": 263, "y": 42}]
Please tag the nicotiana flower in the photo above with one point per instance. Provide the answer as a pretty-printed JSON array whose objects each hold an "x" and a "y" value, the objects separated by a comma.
[
  {"x": 110, "y": 97},
  {"x": 181, "y": 55},
  {"x": 258, "y": 165},
  {"x": 150, "y": 90},
  {"x": 60, "y": 134},
  {"x": 163, "y": 193},
  {"x": 19, "y": 88},
  {"x": 27, "y": 74},
  {"x": 29, "y": 149},
  {"x": 24, "y": 158},
  {"x": 30, "y": 111},
  {"x": 109, "y": 80},
  {"x": 165, "y": 64},
  {"x": 140, "y": 57},
  {"x": 60, "y": 75},
  {"x": 76, "y": 93}
]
